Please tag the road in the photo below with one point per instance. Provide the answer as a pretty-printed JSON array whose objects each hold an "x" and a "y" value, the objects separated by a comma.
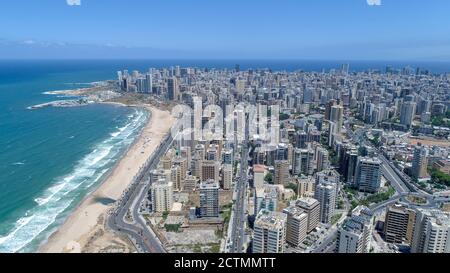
[
  {"x": 328, "y": 244},
  {"x": 240, "y": 207},
  {"x": 138, "y": 231},
  {"x": 390, "y": 174},
  {"x": 238, "y": 228}
]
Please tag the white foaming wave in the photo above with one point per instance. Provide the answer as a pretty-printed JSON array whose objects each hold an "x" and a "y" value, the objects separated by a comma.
[
  {"x": 19, "y": 224},
  {"x": 132, "y": 124},
  {"x": 95, "y": 158},
  {"x": 60, "y": 196},
  {"x": 53, "y": 191}
]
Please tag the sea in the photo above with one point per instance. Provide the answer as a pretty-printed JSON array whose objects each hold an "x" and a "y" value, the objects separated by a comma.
[{"x": 52, "y": 158}]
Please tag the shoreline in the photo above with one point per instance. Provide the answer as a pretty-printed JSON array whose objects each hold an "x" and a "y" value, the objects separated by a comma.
[{"x": 84, "y": 230}]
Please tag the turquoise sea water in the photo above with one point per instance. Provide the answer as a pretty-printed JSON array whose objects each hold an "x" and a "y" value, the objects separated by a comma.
[{"x": 51, "y": 158}]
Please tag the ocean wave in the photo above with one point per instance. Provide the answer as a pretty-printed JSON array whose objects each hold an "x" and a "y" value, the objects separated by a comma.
[{"x": 68, "y": 190}]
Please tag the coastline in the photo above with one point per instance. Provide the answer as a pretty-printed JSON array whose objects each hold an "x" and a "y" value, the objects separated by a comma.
[{"x": 84, "y": 229}]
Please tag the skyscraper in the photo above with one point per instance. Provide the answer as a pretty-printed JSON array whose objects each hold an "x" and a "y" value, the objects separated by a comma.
[
  {"x": 173, "y": 89},
  {"x": 368, "y": 174},
  {"x": 337, "y": 116},
  {"x": 258, "y": 175},
  {"x": 432, "y": 232},
  {"x": 266, "y": 198},
  {"x": 161, "y": 194},
  {"x": 354, "y": 234},
  {"x": 296, "y": 225},
  {"x": 312, "y": 207},
  {"x": 303, "y": 162},
  {"x": 407, "y": 113},
  {"x": 326, "y": 195},
  {"x": 210, "y": 170},
  {"x": 328, "y": 106},
  {"x": 227, "y": 176},
  {"x": 148, "y": 83},
  {"x": 269, "y": 232},
  {"x": 420, "y": 162},
  {"x": 180, "y": 162},
  {"x": 322, "y": 159},
  {"x": 209, "y": 198},
  {"x": 399, "y": 224},
  {"x": 281, "y": 172}
]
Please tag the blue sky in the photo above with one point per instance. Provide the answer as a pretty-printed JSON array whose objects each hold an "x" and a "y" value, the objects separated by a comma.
[{"x": 313, "y": 29}]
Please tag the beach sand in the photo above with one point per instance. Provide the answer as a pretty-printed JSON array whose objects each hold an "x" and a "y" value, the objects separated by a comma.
[{"x": 84, "y": 230}]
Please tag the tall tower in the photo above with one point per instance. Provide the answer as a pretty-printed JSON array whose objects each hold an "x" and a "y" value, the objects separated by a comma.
[
  {"x": 407, "y": 112},
  {"x": 270, "y": 232},
  {"x": 420, "y": 162},
  {"x": 173, "y": 89},
  {"x": 209, "y": 198},
  {"x": 325, "y": 193},
  {"x": 337, "y": 116},
  {"x": 368, "y": 174}
]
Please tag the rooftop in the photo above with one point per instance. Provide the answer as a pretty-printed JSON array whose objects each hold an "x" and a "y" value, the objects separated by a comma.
[{"x": 270, "y": 220}]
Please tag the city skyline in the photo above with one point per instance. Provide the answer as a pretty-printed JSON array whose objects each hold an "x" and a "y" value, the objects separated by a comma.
[{"x": 320, "y": 30}]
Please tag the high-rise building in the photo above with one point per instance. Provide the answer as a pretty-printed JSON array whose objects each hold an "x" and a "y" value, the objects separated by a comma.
[
  {"x": 407, "y": 113},
  {"x": 148, "y": 83},
  {"x": 209, "y": 198},
  {"x": 301, "y": 140},
  {"x": 432, "y": 232},
  {"x": 312, "y": 207},
  {"x": 329, "y": 176},
  {"x": 303, "y": 162},
  {"x": 180, "y": 162},
  {"x": 185, "y": 152},
  {"x": 212, "y": 153},
  {"x": 259, "y": 172},
  {"x": 322, "y": 159},
  {"x": 166, "y": 162},
  {"x": 227, "y": 156},
  {"x": 175, "y": 178},
  {"x": 162, "y": 196},
  {"x": 210, "y": 170},
  {"x": 227, "y": 176},
  {"x": 348, "y": 166},
  {"x": 337, "y": 116},
  {"x": 266, "y": 197},
  {"x": 399, "y": 224},
  {"x": 368, "y": 174},
  {"x": 354, "y": 234},
  {"x": 269, "y": 232},
  {"x": 173, "y": 89},
  {"x": 325, "y": 193},
  {"x": 296, "y": 225},
  {"x": 328, "y": 106},
  {"x": 306, "y": 186},
  {"x": 420, "y": 162},
  {"x": 282, "y": 176},
  {"x": 190, "y": 183},
  {"x": 345, "y": 68}
]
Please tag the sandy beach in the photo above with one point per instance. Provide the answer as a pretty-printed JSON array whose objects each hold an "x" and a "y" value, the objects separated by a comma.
[{"x": 84, "y": 230}]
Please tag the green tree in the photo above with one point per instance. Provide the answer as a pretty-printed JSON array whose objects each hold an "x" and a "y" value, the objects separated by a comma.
[{"x": 269, "y": 178}]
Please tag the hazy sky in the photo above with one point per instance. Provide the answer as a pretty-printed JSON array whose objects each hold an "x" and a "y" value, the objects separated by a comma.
[{"x": 313, "y": 29}]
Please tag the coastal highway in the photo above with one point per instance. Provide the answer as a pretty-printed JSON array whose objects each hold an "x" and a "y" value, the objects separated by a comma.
[{"x": 138, "y": 231}]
